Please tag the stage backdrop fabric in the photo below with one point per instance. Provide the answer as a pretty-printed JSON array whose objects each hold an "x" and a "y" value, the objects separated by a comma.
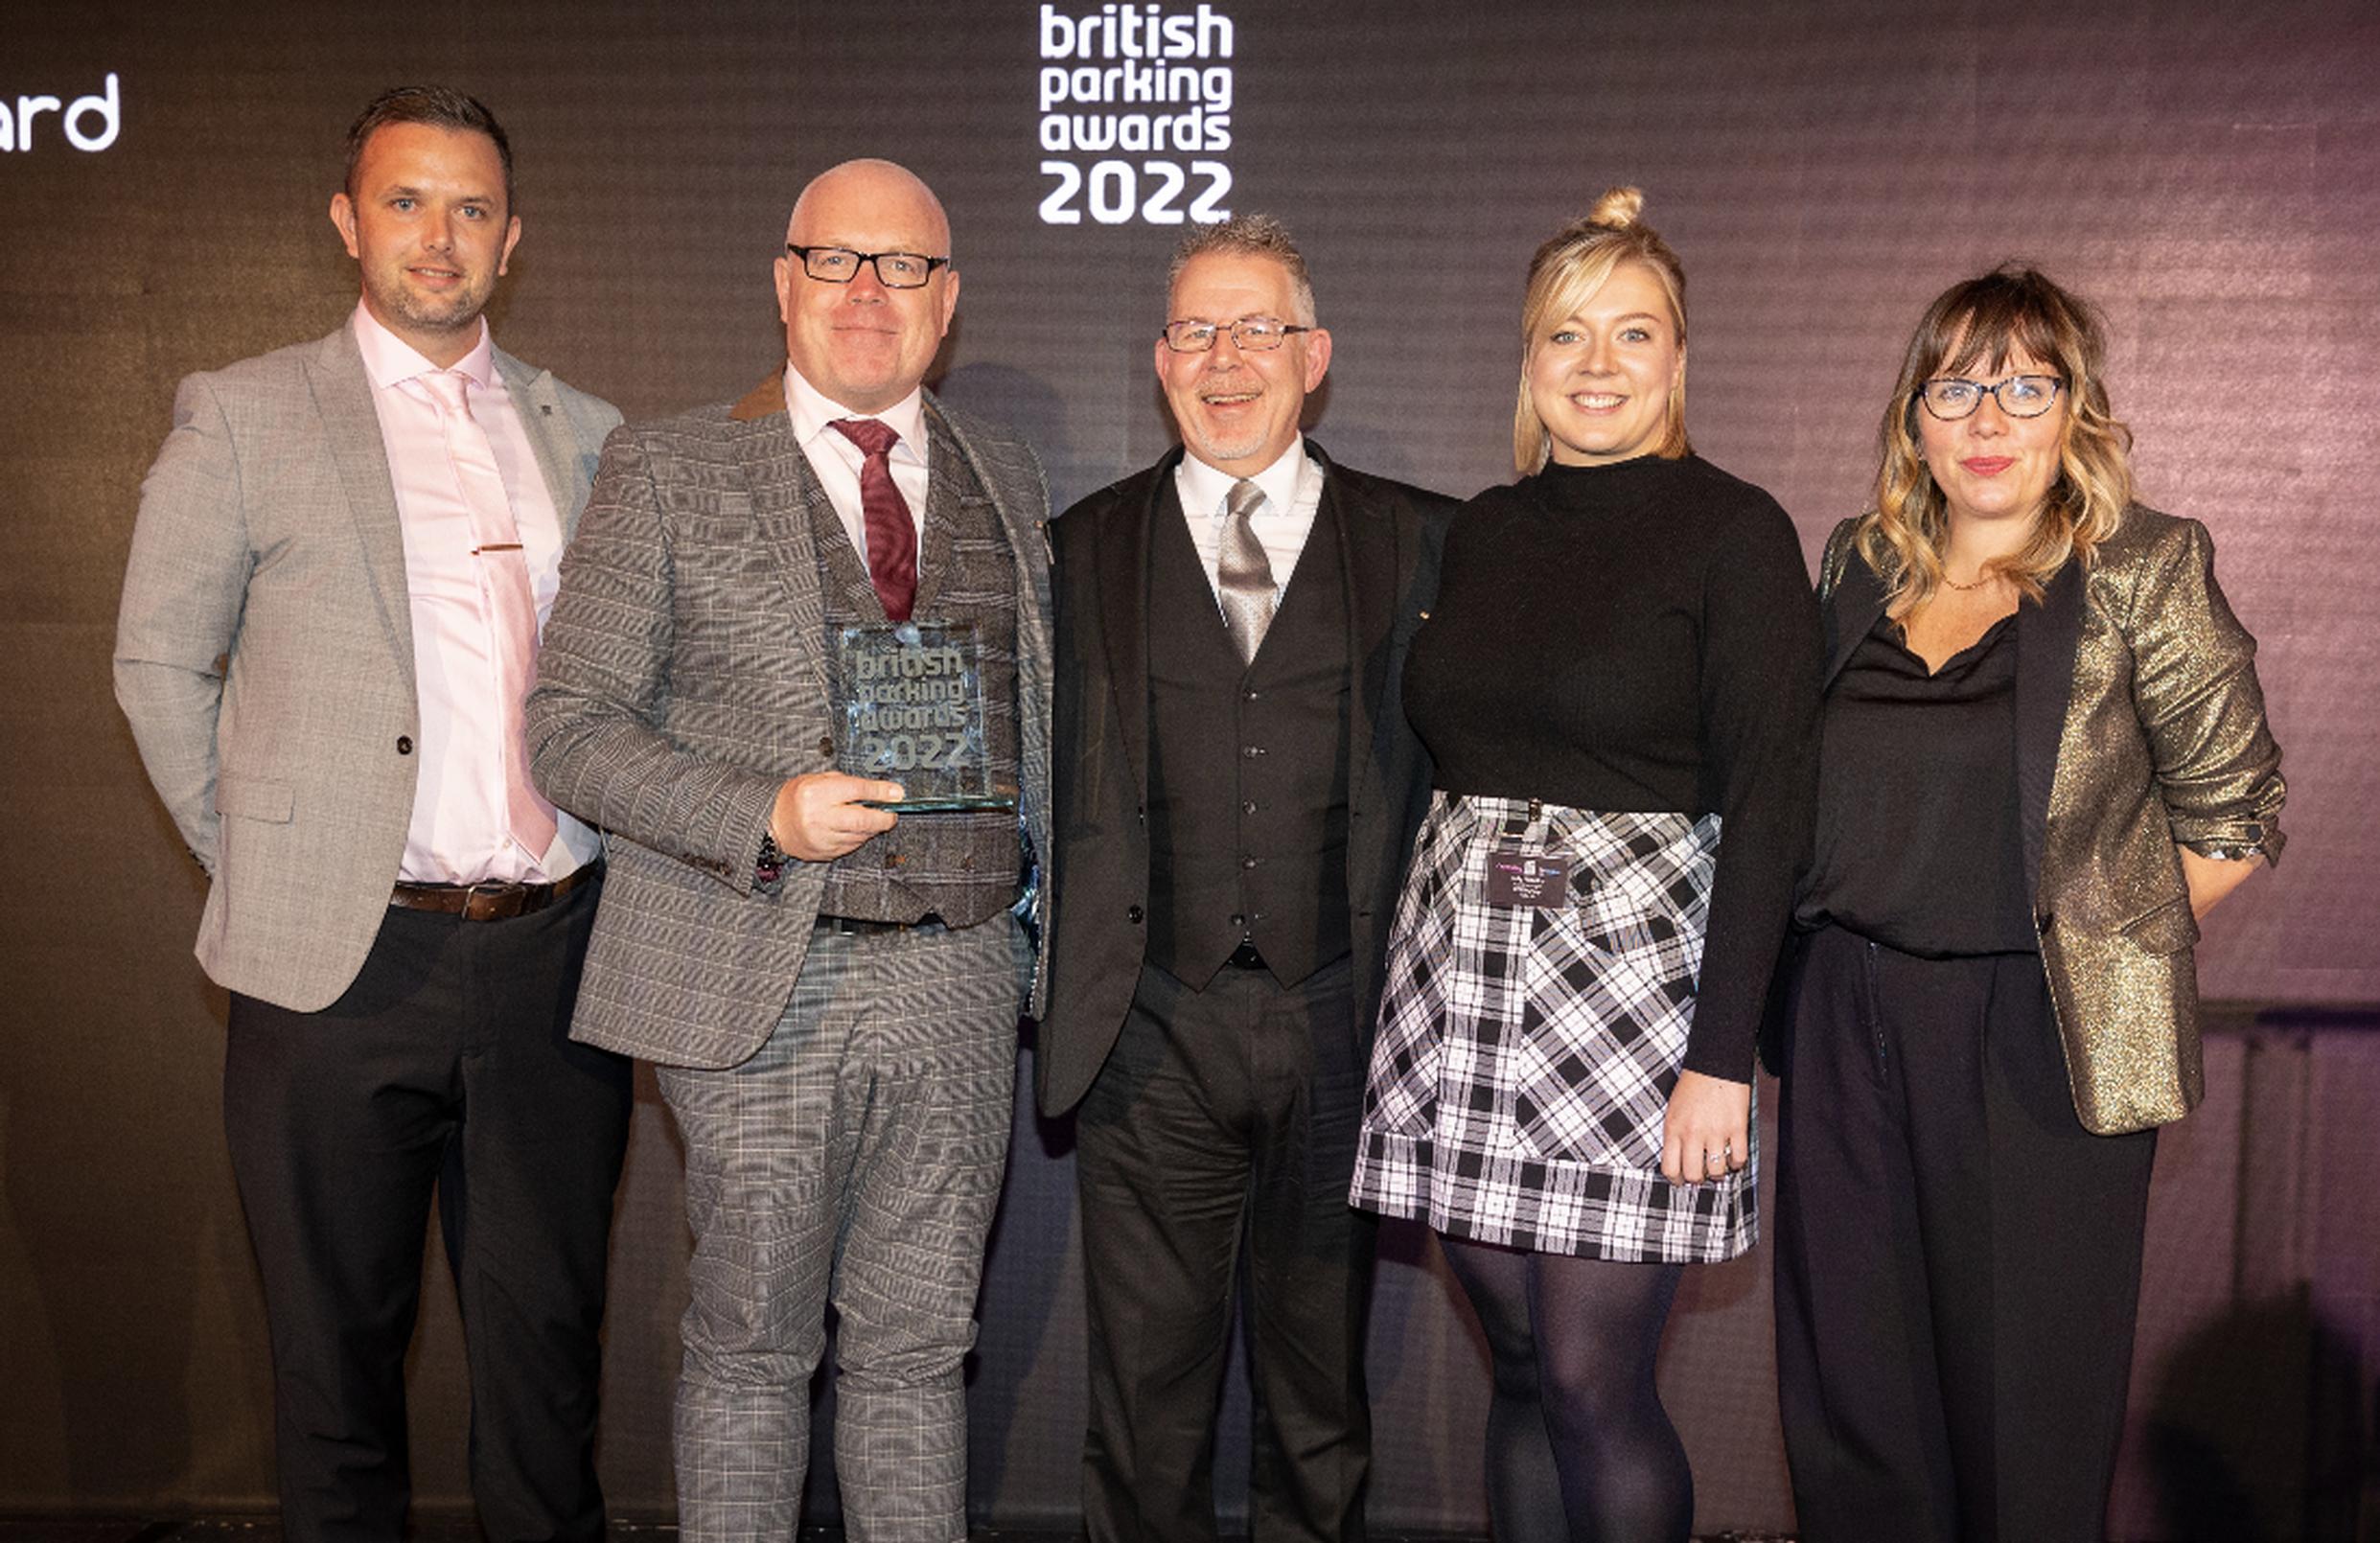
[{"x": 2209, "y": 173}]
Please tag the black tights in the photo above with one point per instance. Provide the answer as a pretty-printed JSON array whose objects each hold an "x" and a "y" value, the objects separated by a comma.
[{"x": 1579, "y": 1449}]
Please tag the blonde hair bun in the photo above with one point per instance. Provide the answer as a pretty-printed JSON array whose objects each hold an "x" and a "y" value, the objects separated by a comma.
[{"x": 1617, "y": 209}]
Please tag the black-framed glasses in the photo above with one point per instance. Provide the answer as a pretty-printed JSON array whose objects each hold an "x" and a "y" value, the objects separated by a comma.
[
  {"x": 840, "y": 265},
  {"x": 2020, "y": 396},
  {"x": 1248, "y": 334}
]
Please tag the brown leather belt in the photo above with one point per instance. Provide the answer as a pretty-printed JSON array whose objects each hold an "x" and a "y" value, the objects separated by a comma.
[{"x": 487, "y": 902}]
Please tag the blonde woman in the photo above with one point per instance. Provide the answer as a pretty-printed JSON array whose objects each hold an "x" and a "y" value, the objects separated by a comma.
[
  {"x": 1618, "y": 686},
  {"x": 2044, "y": 754}
]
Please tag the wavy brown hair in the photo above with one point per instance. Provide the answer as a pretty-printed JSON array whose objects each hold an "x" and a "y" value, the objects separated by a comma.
[
  {"x": 1971, "y": 330},
  {"x": 1565, "y": 275}
]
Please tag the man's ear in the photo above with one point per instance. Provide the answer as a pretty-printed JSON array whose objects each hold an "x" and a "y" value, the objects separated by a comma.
[
  {"x": 950, "y": 299},
  {"x": 343, "y": 216},
  {"x": 1317, "y": 356}
]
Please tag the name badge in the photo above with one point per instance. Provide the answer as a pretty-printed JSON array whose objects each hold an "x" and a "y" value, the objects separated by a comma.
[{"x": 1518, "y": 876}]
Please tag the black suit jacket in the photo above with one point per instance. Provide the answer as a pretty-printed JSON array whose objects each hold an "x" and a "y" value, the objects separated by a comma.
[{"x": 1391, "y": 536}]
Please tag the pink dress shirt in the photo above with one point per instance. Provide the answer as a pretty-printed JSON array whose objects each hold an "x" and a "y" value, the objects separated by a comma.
[{"x": 459, "y": 833}]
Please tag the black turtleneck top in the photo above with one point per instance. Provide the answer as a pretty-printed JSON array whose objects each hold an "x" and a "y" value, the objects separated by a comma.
[{"x": 1639, "y": 638}]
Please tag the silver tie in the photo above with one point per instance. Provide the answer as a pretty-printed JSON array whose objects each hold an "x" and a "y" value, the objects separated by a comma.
[{"x": 1243, "y": 575}]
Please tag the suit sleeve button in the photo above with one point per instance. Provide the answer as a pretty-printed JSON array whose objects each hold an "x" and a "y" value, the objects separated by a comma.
[
  {"x": 1132, "y": 914},
  {"x": 404, "y": 745}
]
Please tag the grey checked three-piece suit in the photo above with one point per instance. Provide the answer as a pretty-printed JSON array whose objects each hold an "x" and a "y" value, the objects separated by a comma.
[{"x": 684, "y": 679}]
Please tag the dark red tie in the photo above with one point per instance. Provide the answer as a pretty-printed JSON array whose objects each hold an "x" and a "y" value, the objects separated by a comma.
[{"x": 892, "y": 534}]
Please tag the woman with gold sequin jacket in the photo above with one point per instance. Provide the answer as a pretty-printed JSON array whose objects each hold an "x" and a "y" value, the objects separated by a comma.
[{"x": 2044, "y": 756}]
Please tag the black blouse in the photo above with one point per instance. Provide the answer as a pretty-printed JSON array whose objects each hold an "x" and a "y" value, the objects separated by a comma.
[
  {"x": 1640, "y": 637},
  {"x": 1919, "y": 846}
]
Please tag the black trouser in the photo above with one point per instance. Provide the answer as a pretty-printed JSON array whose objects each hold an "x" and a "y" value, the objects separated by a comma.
[
  {"x": 1223, "y": 1124},
  {"x": 1958, "y": 1261},
  {"x": 446, "y": 1065}
]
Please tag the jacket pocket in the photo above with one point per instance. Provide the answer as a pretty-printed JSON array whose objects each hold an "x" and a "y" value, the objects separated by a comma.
[
  {"x": 255, "y": 798},
  {"x": 2168, "y": 929}
]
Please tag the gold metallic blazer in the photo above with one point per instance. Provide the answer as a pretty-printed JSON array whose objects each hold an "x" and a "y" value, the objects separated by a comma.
[{"x": 2139, "y": 726}]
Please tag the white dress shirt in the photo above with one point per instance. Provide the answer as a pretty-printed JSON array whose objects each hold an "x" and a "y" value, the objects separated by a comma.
[
  {"x": 459, "y": 834},
  {"x": 837, "y": 461},
  {"x": 1292, "y": 487}
]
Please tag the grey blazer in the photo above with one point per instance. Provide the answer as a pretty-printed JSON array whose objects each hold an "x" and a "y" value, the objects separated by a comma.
[
  {"x": 265, "y": 651},
  {"x": 683, "y": 680}
]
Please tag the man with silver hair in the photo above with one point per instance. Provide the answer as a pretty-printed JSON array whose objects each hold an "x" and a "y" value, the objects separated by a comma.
[
  {"x": 831, "y": 990},
  {"x": 1235, "y": 788}
]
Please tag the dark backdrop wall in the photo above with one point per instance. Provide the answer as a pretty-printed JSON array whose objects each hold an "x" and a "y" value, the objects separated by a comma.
[{"x": 2209, "y": 173}]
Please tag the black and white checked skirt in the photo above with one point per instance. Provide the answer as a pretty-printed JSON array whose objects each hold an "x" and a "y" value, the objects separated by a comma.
[{"x": 1526, "y": 1054}]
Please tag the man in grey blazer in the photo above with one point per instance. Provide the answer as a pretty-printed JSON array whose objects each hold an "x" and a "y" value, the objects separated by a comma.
[
  {"x": 831, "y": 992},
  {"x": 327, "y": 621}
]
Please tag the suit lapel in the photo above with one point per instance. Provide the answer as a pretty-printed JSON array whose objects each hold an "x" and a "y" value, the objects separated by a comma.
[
  {"x": 1369, "y": 560},
  {"x": 1027, "y": 540},
  {"x": 779, "y": 479},
  {"x": 1025, "y": 532},
  {"x": 550, "y": 436},
  {"x": 1850, "y": 613},
  {"x": 942, "y": 483},
  {"x": 343, "y": 398},
  {"x": 1124, "y": 543},
  {"x": 2047, "y": 635}
]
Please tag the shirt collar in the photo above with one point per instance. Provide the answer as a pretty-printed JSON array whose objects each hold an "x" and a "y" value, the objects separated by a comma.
[
  {"x": 390, "y": 360},
  {"x": 812, "y": 410},
  {"x": 1204, "y": 487}
]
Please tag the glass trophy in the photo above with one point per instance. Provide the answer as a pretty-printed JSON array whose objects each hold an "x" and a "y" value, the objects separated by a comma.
[{"x": 913, "y": 703}]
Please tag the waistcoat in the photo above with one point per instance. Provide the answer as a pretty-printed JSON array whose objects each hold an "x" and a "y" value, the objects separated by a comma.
[
  {"x": 962, "y": 867},
  {"x": 1248, "y": 765}
]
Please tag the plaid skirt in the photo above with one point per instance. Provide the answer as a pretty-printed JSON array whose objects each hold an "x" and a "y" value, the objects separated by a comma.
[{"x": 1526, "y": 1053}]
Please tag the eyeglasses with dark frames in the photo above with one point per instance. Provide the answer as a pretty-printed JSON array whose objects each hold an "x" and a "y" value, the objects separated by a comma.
[
  {"x": 2020, "y": 396},
  {"x": 1248, "y": 334},
  {"x": 840, "y": 265}
]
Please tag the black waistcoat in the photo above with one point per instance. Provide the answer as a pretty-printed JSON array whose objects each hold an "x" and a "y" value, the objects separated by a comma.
[
  {"x": 1247, "y": 797},
  {"x": 962, "y": 867}
]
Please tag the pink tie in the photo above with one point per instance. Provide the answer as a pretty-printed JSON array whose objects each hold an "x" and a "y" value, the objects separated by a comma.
[{"x": 510, "y": 605}]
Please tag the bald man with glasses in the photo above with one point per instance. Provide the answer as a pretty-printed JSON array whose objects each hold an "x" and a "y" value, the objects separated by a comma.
[{"x": 829, "y": 986}]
